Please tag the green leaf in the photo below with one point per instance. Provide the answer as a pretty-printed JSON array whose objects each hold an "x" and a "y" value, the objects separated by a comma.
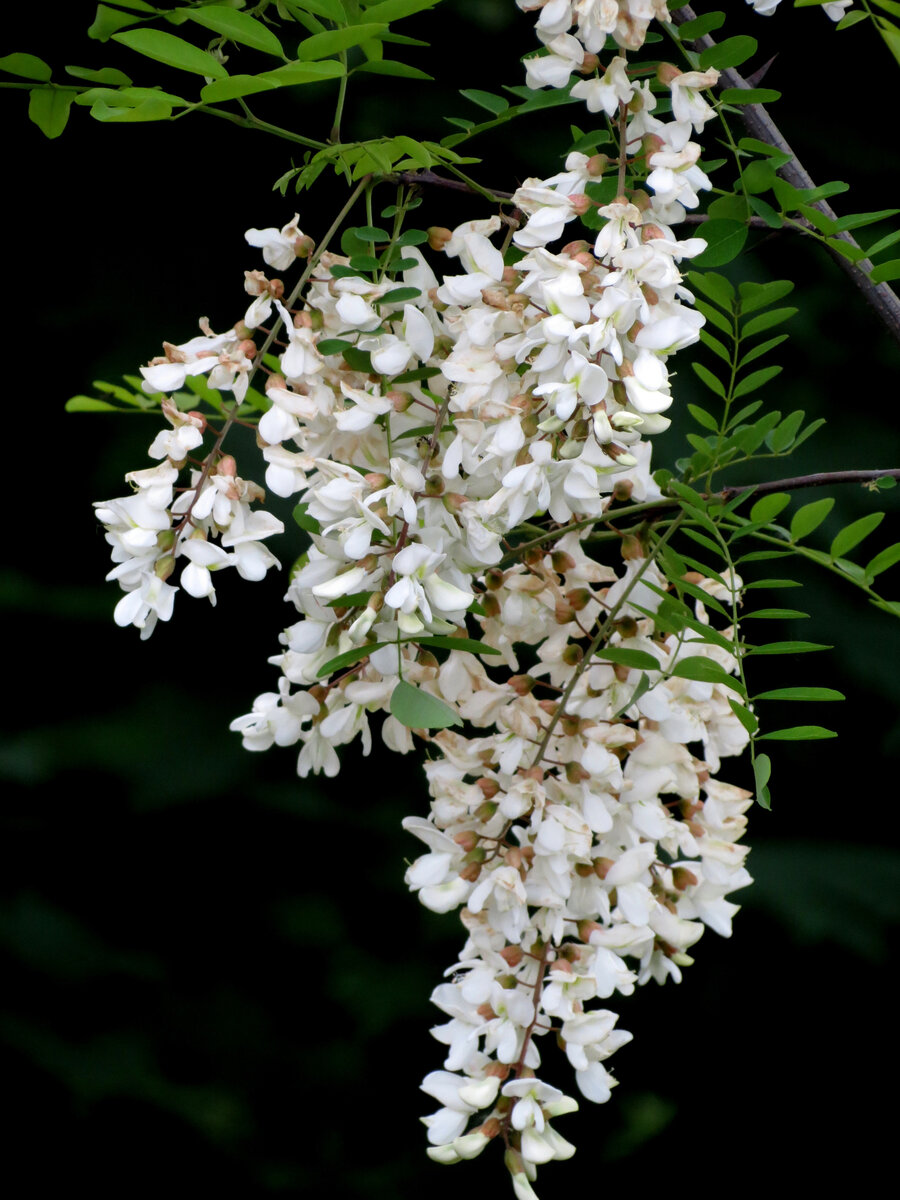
[
  {"x": 49, "y": 109},
  {"x": 730, "y": 53},
  {"x": 706, "y": 670},
  {"x": 290, "y": 75},
  {"x": 787, "y": 648},
  {"x": 349, "y": 658},
  {"x": 471, "y": 645},
  {"x": 332, "y": 41},
  {"x": 706, "y": 376},
  {"x": 417, "y": 374},
  {"x": 106, "y": 21},
  {"x": 371, "y": 233},
  {"x": 766, "y": 320},
  {"x": 768, "y": 507},
  {"x": 801, "y": 693},
  {"x": 333, "y": 346},
  {"x": 725, "y": 240},
  {"x": 744, "y": 715},
  {"x": 761, "y": 295},
  {"x": 756, "y": 379},
  {"x": 239, "y": 27},
  {"x": 106, "y": 75},
  {"x": 332, "y": 10},
  {"x": 773, "y": 583},
  {"x": 763, "y": 209},
  {"x": 779, "y": 157},
  {"x": 172, "y": 51},
  {"x": 420, "y": 710},
  {"x": 715, "y": 286},
  {"x": 785, "y": 434},
  {"x": 762, "y": 348},
  {"x": 886, "y": 271},
  {"x": 28, "y": 66},
  {"x": 715, "y": 345},
  {"x": 304, "y": 520},
  {"x": 154, "y": 108},
  {"x": 857, "y": 220},
  {"x": 887, "y": 558},
  {"x": 851, "y": 535},
  {"x": 400, "y": 295},
  {"x": 749, "y": 95},
  {"x": 799, "y": 733},
  {"x": 762, "y": 771},
  {"x": 702, "y": 417},
  {"x": 90, "y": 404},
  {"x": 493, "y": 103},
  {"x": 352, "y": 600},
  {"x": 759, "y": 175},
  {"x": 394, "y": 10},
  {"x": 810, "y": 517},
  {"x": 691, "y": 30},
  {"x": 714, "y": 317},
  {"x": 419, "y": 155},
  {"x": 890, "y": 239},
  {"x": 850, "y": 19},
  {"x": 390, "y": 66},
  {"x": 775, "y": 614},
  {"x": 636, "y": 660}
]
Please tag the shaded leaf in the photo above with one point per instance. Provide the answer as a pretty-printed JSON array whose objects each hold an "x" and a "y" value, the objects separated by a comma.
[
  {"x": 810, "y": 517},
  {"x": 49, "y": 108},
  {"x": 420, "y": 710},
  {"x": 798, "y": 733},
  {"x": 27, "y": 66},
  {"x": 637, "y": 660},
  {"x": 237, "y": 26},
  {"x": 332, "y": 41},
  {"x": 801, "y": 693},
  {"x": 851, "y": 535}
]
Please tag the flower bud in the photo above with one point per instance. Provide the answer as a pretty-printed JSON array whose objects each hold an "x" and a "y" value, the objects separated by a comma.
[
  {"x": 434, "y": 485},
  {"x": 512, "y": 955},
  {"x": 470, "y": 872},
  {"x": 576, "y": 773},
  {"x": 489, "y": 787},
  {"x": 683, "y": 878},
  {"x": 484, "y": 812},
  {"x": 586, "y": 928},
  {"x": 622, "y": 490},
  {"x": 563, "y": 613},
  {"x": 491, "y": 1127},
  {"x": 467, "y": 839},
  {"x": 522, "y": 685},
  {"x": 561, "y": 561},
  {"x": 164, "y": 566},
  {"x": 580, "y": 203},
  {"x": 304, "y": 245},
  {"x": 589, "y": 63},
  {"x": 494, "y": 578},
  {"x": 491, "y": 605},
  {"x": 579, "y": 598},
  {"x": 666, "y": 72},
  {"x": 426, "y": 659},
  {"x": 597, "y": 165},
  {"x": 572, "y": 654},
  {"x": 438, "y": 236},
  {"x": 165, "y": 539},
  {"x": 626, "y": 627},
  {"x": 631, "y": 548}
]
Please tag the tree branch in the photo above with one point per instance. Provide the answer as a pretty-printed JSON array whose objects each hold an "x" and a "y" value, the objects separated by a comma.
[
  {"x": 822, "y": 479},
  {"x": 882, "y": 298}
]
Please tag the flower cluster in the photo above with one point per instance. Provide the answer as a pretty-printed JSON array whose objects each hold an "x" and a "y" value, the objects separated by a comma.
[{"x": 426, "y": 421}]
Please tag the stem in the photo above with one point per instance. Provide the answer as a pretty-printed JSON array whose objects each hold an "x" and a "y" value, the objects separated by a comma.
[
  {"x": 253, "y": 122},
  {"x": 822, "y": 479},
  {"x": 342, "y": 95}
]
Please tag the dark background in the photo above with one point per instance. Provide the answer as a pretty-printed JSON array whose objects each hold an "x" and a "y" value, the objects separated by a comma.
[{"x": 214, "y": 975}]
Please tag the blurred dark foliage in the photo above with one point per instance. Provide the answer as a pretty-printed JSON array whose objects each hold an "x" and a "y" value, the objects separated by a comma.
[{"x": 214, "y": 975}]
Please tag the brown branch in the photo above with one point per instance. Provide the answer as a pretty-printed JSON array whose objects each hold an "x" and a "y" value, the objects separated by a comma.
[
  {"x": 882, "y": 298},
  {"x": 822, "y": 479},
  {"x": 455, "y": 185}
]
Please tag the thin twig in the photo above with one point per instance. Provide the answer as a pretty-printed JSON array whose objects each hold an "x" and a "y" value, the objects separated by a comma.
[{"x": 822, "y": 479}]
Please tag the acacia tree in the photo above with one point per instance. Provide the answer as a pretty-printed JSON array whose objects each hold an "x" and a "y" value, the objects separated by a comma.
[{"x": 488, "y": 547}]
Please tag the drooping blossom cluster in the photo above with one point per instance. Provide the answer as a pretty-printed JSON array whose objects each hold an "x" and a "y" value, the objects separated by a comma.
[{"x": 425, "y": 433}]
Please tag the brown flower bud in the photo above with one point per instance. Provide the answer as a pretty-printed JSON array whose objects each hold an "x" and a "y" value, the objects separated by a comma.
[
  {"x": 563, "y": 613},
  {"x": 434, "y": 485},
  {"x": 631, "y": 548},
  {"x": 666, "y": 72},
  {"x": 489, "y": 787},
  {"x": 580, "y": 203},
  {"x": 597, "y": 165},
  {"x": 572, "y": 654},
  {"x": 164, "y": 566},
  {"x": 491, "y": 605},
  {"x": 494, "y": 579},
  {"x": 622, "y": 490},
  {"x": 470, "y": 872},
  {"x": 562, "y": 561},
  {"x": 438, "y": 236},
  {"x": 579, "y": 598},
  {"x": 522, "y": 685},
  {"x": 484, "y": 812},
  {"x": 576, "y": 773},
  {"x": 683, "y": 878},
  {"x": 512, "y": 955}
]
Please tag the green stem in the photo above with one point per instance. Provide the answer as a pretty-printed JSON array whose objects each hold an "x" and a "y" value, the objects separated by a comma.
[
  {"x": 335, "y": 135},
  {"x": 254, "y": 122}
]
